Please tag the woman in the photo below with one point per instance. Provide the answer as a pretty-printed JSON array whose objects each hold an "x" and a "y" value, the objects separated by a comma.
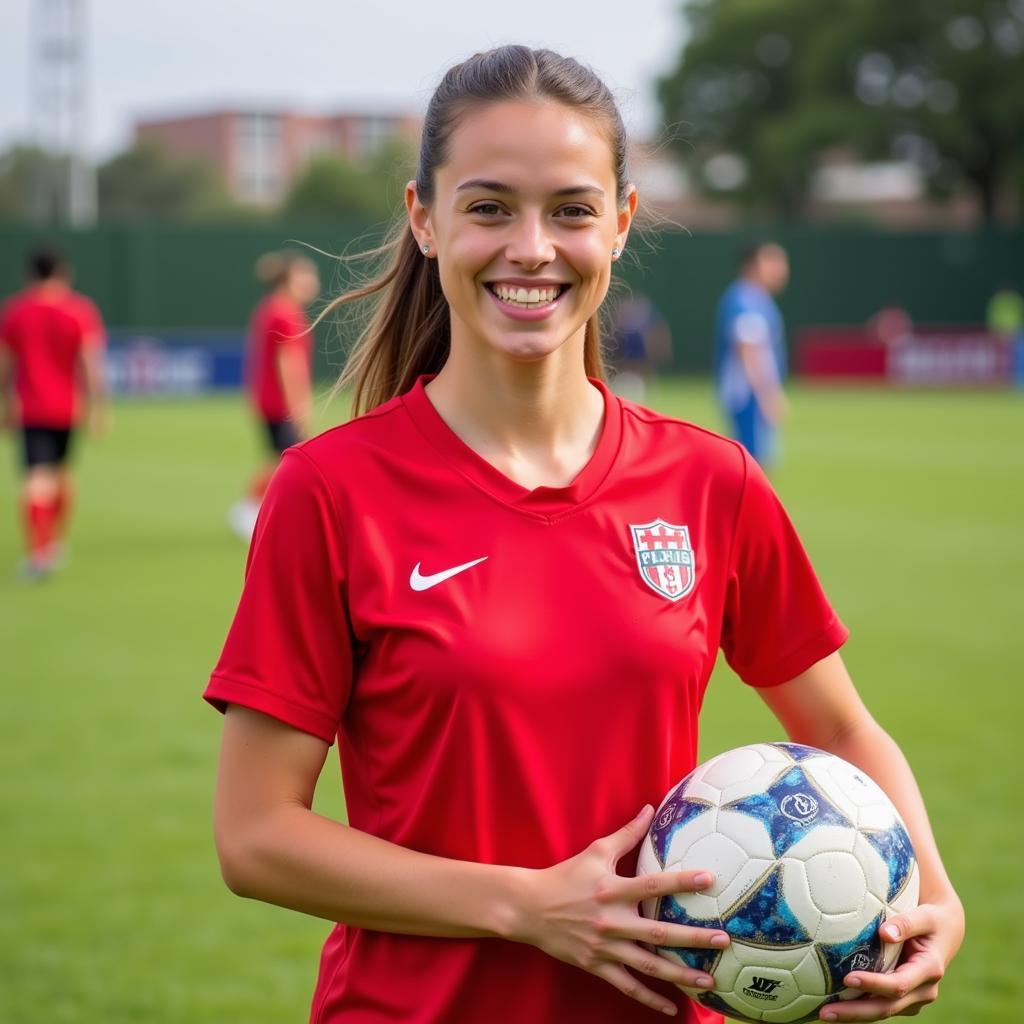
[
  {"x": 278, "y": 367},
  {"x": 504, "y": 589}
]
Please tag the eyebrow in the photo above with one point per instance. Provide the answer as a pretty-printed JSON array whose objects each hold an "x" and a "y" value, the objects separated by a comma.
[{"x": 500, "y": 187}]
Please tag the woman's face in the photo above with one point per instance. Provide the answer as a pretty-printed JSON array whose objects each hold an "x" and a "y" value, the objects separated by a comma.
[
  {"x": 523, "y": 223},
  {"x": 304, "y": 282}
]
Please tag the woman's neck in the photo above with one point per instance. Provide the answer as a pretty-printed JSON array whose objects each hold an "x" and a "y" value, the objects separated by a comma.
[{"x": 537, "y": 422}]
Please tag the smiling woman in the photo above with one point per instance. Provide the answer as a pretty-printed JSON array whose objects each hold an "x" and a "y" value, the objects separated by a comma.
[{"x": 502, "y": 590}]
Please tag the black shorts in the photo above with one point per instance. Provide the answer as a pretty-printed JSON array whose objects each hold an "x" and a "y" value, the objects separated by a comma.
[
  {"x": 282, "y": 433},
  {"x": 46, "y": 446}
]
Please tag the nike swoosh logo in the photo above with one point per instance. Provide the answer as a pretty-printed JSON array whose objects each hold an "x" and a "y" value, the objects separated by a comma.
[{"x": 420, "y": 582}]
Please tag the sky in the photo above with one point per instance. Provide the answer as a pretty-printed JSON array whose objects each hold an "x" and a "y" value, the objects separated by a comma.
[{"x": 153, "y": 58}]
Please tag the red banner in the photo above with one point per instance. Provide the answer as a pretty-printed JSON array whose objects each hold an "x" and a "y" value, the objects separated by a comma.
[{"x": 930, "y": 357}]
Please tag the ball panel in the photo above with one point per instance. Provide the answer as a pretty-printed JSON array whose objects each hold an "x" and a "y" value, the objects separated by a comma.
[
  {"x": 764, "y": 918},
  {"x": 863, "y": 952},
  {"x": 790, "y": 807}
]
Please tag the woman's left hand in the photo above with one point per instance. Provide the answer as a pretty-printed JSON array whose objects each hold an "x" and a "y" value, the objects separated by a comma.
[{"x": 931, "y": 934}]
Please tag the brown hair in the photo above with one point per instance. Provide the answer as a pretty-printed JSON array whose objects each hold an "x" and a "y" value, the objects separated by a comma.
[
  {"x": 407, "y": 333},
  {"x": 272, "y": 268}
]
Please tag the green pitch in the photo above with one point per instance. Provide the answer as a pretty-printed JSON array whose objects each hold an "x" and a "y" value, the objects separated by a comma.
[{"x": 111, "y": 906}]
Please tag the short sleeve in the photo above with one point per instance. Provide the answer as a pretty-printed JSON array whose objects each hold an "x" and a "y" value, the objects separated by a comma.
[
  {"x": 751, "y": 329},
  {"x": 91, "y": 323},
  {"x": 289, "y": 328},
  {"x": 778, "y": 622},
  {"x": 288, "y": 652}
]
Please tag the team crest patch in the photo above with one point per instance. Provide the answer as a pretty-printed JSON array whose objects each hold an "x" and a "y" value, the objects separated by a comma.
[{"x": 664, "y": 557}]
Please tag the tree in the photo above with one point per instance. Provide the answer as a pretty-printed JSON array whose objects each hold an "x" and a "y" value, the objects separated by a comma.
[
  {"x": 147, "y": 181},
  {"x": 332, "y": 186},
  {"x": 22, "y": 168},
  {"x": 770, "y": 84}
]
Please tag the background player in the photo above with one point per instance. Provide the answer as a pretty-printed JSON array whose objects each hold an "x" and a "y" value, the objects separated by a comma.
[
  {"x": 750, "y": 350},
  {"x": 279, "y": 367},
  {"x": 51, "y": 348},
  {"x": 454, "y": 585}
]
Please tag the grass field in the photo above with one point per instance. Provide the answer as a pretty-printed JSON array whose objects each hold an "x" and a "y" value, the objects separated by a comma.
[{"x": 111, "y": 906}]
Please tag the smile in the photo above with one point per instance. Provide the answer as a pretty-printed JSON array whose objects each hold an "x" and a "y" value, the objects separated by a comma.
[{"x": 520, "y": 297}]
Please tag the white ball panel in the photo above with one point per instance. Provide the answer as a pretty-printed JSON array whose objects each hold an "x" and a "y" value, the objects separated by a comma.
[
  {"x": 676, "y": 856},
  {"x": 824, "y": 839},
  {"x": 748, "y": 832},
  {"x": 798, "y": 895},
  {"x": 844, "y": 927},
  {"x": 723, "y": 856},
  {"x": 808, "y": 975},
  {"x": 737, "y": 773},
  {"x": 876, "y": 872},
  {"x": 836, "y": 882},
  {"x": 748, "y": 875},
  {"x": 733, "y": 766}
]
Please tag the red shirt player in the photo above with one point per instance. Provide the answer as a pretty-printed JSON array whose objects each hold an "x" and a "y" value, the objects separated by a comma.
[
  {"x": 502, "y": 590},
  {"x": 51, "y": 349},
  {"x": 278, "y": 367}
]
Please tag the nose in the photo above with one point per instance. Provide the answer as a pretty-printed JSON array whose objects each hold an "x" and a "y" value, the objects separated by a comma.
[{"x": 530, "y": 245}]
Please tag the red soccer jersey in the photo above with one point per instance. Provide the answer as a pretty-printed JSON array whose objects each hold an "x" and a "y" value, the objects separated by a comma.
[
  {"x": 276, "y": 323},
  {"x": 45, "y": 328},
  {"x": 511, "y": 674}
]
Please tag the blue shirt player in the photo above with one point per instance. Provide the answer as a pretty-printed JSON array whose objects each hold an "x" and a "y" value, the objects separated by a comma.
[{"x": 750, "y": 350}]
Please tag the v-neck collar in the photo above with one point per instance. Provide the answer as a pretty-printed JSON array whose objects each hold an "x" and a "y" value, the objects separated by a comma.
[{"x": 546, "y": 502}]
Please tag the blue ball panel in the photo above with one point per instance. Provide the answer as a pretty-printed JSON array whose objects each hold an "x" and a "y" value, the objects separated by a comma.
[
  {"x": 790, "y": 807},
  {"x": 764, "y": 918},
  {"x": 862, "y": 953}
]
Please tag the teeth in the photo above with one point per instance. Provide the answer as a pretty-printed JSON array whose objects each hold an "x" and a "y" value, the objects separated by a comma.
[{"x": 525, "y": 296}]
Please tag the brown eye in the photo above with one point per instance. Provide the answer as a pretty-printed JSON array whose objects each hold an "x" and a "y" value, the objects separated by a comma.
[
  {"x": 486, "y": 209},
  {"x": 576, "y": 212}
]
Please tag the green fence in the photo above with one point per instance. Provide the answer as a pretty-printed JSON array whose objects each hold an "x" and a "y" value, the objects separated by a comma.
[{"x": 161, "y": 276}]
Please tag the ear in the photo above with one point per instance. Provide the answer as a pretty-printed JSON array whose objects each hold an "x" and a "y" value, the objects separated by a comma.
[
  {"x": 419, "y": 217},
  {"x": 625, "y": 217}
]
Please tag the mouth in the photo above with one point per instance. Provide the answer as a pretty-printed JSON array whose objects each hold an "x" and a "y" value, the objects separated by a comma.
[{"x": 534, "y": 297}]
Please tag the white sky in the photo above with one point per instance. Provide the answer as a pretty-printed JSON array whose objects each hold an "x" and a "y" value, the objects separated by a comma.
[{"x": 164, "y": 56}]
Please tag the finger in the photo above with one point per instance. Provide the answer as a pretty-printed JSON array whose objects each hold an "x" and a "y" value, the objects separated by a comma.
[
  {"x": 675, "y": 936},
  {"x": 665, "y": 883},
  {"x": 626, "y": 838},
  {"x": 919, "y": 921},
  {"x": 869, "y": 1009},
  {"x": 617, "y": 976},
  {"x": 649, "y": 963},
  {"x": 921, "y": 969}
]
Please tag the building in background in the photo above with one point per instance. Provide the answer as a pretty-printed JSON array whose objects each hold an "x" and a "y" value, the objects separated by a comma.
[{"x": 260, "y": 152}]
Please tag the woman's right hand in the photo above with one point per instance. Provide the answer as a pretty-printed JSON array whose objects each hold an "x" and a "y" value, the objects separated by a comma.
[{"x": 583, "y": 913}]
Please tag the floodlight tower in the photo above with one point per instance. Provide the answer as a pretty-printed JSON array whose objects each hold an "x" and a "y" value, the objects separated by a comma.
[{"x": 65, "y": 189}]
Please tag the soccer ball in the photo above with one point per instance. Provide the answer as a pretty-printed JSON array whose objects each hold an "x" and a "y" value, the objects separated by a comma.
[{"x": 809, "y": 858}]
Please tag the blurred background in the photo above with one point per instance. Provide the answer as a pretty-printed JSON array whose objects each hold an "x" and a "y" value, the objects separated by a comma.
[{"x": 165, "y": 147}]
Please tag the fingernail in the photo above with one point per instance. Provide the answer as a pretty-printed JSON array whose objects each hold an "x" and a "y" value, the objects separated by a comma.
[
  {"x": 719, "y": 940},
  {"x": 669, "y": 1011},
  {"x": 892, "y": 931},
  {"x": 829, "y": 1015},
  {"x": 644, "y": 810},
  {"x": 705, "y": 982},
  {"x": 853, "y": 982},
  {"x": 703, "y": 878}
]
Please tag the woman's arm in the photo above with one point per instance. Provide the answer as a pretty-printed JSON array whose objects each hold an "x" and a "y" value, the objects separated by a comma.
[
  {"x": 821, "y": 708},
  {"x": 293, "y": 371},
  {"x": 273, "y": 847}
]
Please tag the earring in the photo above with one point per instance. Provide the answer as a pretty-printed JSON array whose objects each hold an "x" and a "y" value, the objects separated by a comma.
[
  {"x": 426, "y": 250},
  {"x": 615, "y": 253}
]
